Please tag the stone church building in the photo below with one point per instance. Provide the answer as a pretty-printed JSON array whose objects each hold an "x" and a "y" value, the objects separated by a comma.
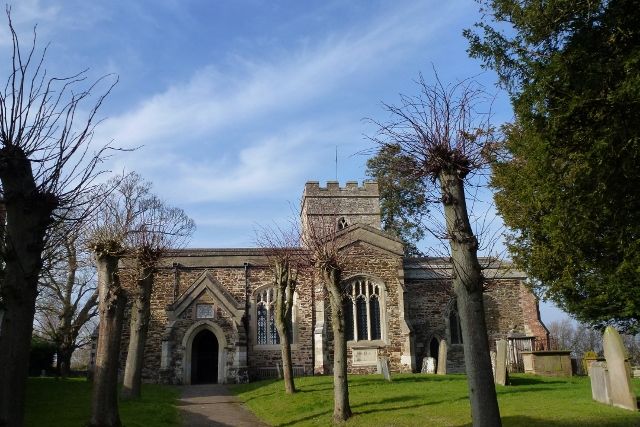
[{"x": 212, "y": 316}]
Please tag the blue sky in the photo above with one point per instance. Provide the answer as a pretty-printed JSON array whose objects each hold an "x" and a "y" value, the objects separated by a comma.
[{"x": 236, "y": 104}]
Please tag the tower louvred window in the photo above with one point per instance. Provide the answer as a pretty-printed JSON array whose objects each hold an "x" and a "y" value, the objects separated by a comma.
[{"x": 342, "y": 223}]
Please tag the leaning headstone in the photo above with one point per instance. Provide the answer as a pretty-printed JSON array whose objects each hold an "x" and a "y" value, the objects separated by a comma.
[
  {"x": 442, "y": 358},
  {"x": 600, "y": 382},
  {"x": 621, "y": 392},
  {"x": 383, "y": 368},
  {"x": 501, "y": 362}
]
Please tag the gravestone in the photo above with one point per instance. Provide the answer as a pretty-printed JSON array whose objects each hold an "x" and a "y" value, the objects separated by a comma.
[
  {"x": 599, "y": 382},
  {"x": 279, "y": 369},
  {"x": 492, "y": 355},
  {"x": 621, "y": 391},
  {"x": 442, "y": 358},
  {"x": 383, "y": 368},
  {"x": 428, "y": 365},
  {"x": 501, "y": 375}
]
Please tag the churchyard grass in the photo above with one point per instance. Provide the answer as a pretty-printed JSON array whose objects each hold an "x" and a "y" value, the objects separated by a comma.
[
  {"x": 53, "y": 402},
  {"x": 434, "y": 400}
]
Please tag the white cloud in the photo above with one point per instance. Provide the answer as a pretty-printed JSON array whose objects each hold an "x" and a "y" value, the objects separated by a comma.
[{"x": 268, "y": 167}]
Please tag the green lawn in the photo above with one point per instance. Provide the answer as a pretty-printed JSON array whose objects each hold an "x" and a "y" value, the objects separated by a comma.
[
  {"x": 52, "y": 402},
  {"x": 429, "y": 400}
]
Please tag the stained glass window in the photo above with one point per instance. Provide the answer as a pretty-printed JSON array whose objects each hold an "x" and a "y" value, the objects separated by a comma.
[
  {"x": 362, "y": 311},
  {"x": 374, "y": 315},
  {"x": 348, "y": 318},
  {"x": 274, "y": 338},
  {"x": 262, "y": 323},
  {"x": 267, "y": 332}
]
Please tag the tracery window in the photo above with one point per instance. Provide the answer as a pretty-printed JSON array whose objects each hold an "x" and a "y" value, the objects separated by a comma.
[
  {"x": 342, "y": 223},
  {"x": 267, "y": 333},
  {"x": 455, "y": 330},
  {"x": 362, "y": 315}
]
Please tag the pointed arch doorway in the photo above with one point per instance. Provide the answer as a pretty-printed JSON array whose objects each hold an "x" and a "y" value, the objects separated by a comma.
[
  {"x": 204, "y": 358},
  {"x": 434, "y": 350}
]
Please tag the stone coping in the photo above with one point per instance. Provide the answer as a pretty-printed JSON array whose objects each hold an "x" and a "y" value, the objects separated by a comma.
[{"x": 433, "y": 268}]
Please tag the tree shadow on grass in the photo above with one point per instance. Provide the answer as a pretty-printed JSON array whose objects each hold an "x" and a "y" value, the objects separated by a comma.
[
  {"x": 356, "y": 412},
  {"x": 523, "y": 420},
  {"x": 513, "y": 390},
  {"x": 520, "y": 381}
]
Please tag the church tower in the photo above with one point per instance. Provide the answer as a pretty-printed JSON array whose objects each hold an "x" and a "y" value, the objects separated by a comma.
[{"x": 333, "y": 208}]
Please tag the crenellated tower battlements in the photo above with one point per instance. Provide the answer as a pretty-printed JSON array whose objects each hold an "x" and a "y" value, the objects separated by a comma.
[{"x": 335, "y": 206}]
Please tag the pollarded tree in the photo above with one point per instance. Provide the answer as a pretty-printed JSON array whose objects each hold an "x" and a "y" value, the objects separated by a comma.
[
  {"x": 108, "y": 241},
  {"x": 321, "y": 240},
  {"x": 46, "y": 164},
  {"x": 567, "y": 184},
  {"x": 286, "y": 260},
  {"x": 156, "y": 229},
  {"x": 447, "y": 138}
]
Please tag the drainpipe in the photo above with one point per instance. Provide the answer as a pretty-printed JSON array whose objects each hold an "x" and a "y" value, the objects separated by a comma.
[
  {"x": 176, "y": 280},
  {"x": 313, "y": 326},
  {"x": 246, "y": 317}
]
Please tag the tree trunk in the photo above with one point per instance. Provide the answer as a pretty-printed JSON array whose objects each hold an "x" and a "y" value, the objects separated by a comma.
[
  {"x": 284, "y": 312},
  {"x": 467, "y": 284},
  {"x": 66, "y": 329},
  {"x": 28, "y": 214},
  {"x": 341, "y": 407},
  {"x": 112, "y": 300},
  {"x": 64, "y": 361},
  {"x": 15, "y": 339},
  {"x": 140, "y": 314}
]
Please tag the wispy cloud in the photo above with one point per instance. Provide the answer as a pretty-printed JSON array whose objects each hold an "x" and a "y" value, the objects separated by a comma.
[
  {"x": 212, "y": 100},
  {"x": 268, "y": 167}
]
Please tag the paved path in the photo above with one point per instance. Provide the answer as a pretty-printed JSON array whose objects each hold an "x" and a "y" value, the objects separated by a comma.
[{"x": 213, "y": 405}]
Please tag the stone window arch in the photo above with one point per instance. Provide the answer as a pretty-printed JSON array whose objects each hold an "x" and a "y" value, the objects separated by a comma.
[
  {"x": 363, "y": 310},
  {"x": 266, "y": 332},
  {"x": 342, "y": 223}
]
